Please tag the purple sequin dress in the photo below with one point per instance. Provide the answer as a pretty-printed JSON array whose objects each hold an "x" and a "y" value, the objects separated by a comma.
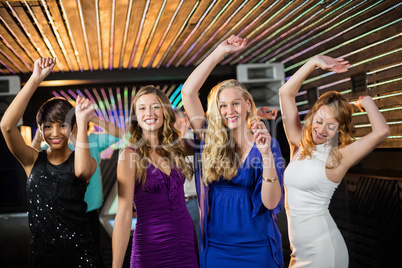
[{"x": 164, "y": 235}]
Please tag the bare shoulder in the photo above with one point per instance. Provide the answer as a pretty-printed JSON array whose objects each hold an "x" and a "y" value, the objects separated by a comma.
[
  {"x": 337, "y": 173},
  {"x": 127, "y": 152},
  {"x": 127, "y": 160}
]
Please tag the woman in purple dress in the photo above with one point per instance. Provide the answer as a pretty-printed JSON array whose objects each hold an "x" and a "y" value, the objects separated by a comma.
[{"x": 152, "y": 172}]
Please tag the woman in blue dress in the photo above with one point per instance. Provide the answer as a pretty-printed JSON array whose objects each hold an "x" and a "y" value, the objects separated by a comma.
[{"x": 242, "y": 170}]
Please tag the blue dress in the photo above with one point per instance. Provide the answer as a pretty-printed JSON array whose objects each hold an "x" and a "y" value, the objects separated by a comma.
[{"x": 238, "y": 231}]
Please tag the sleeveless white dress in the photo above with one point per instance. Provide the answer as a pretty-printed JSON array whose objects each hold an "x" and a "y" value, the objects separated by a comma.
[{"x": 314, "y": 237}]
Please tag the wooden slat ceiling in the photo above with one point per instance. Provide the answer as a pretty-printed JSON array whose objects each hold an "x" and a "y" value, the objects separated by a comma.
[
  {"x": 100, "y": 37},
  {"x": 124, "y": 34}
]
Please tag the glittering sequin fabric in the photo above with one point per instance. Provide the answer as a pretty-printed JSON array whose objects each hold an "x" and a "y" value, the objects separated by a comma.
[{"x": 56, "y": 211}]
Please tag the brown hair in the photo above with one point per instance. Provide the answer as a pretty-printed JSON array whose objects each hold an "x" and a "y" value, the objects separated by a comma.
[
  {"x": 168, "y": 137},
  {"x": 342, "y": 111},
  {"x": 56, "y": 110}
]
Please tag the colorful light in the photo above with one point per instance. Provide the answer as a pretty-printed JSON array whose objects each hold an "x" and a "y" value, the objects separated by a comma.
[
  {"x": 268, "y": 58},
  {"x": 137, "y": 40},
  {"x": 227, "y": 34},
  {"x": 70, "y": 35},
  {"x": 254, "y": 39},
  {"x": 57, "y": 35},
  {"x": 178, "y": 34},
  {"x": 85, "y": 35},
  {"x": 151, "y": 35},
  {"x": 338, "y": 34},
  {"x": 165, "y": 34},
  {"x": 216, "y": 33},
  {"x": 191, "y": 33},
  {"x": 203, "y": 33}
]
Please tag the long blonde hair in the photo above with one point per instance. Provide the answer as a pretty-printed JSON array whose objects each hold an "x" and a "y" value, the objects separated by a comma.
[
  {"x": 168, "y": 136},
  {"x": 219, "y": 157},
  {"x": 342, "y": 110}
]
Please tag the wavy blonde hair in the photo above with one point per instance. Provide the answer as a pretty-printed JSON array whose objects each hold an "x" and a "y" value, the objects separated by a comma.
[
  {"x": 342, "y": 110},
  {"x": 169, "y": 139},
  {"x": 219, "y": 156}
]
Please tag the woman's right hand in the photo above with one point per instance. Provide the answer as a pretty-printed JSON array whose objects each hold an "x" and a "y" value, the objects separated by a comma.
[
  {"x": 43, "y": 67},
  {"x": 338, "y": 65},
  {"x": 233, "y": 44}
]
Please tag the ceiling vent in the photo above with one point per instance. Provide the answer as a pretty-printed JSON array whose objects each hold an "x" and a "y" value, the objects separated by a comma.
[{"x": 262, "y": 81}]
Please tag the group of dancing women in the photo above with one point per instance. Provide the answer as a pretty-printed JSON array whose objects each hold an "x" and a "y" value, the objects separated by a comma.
[{"x": 241, "y": 177}]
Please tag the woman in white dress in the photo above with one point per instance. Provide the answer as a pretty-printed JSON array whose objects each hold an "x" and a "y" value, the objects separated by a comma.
[{"x": 321, "y": 153}]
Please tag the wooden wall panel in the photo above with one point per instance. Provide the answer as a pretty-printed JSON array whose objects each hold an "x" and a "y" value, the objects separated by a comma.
[
  {"x": 376, "y": 51},
  {"x": 368, "y": 211}
]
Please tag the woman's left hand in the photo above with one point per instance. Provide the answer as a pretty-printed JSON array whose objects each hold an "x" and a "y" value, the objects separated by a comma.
[
  {"x": 337, "y": 65},
  {"x": 262, "y": 138},
  {"x": 361, "y": 102},
  {"x": 83, "y": 109},
  {"x": 266, "y": 113}
]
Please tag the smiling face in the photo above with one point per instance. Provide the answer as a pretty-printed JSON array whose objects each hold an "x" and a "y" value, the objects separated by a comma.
[
  {"x": 324, "y": 125},
  {"x": 233, "y": 108},
  {"x": 149, "y": 113},
  {"x": 56, "y": 134}
]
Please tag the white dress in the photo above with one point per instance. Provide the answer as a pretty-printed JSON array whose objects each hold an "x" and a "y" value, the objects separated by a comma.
[{"x": 314, "y": 237}]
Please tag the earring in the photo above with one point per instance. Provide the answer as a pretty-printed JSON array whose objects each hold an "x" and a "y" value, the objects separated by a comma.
[{"x": 248, "y": 111}]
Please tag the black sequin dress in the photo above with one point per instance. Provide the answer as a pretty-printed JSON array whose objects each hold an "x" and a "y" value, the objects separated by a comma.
[{"x": 56, "y": 211}]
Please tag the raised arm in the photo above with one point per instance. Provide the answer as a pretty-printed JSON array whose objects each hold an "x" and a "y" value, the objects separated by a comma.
[
  {"x": 84, "y": 164},
  {"x": 125, "y": 185},
  {"x": 37, "y": 140},
  {"x": 354, "y": 152},
  {"x": 288, "y": 92},
  {"x": 24, "y": 153},
  {"x": 107, "y": 126},
  {"x": 191, "y": 101}
]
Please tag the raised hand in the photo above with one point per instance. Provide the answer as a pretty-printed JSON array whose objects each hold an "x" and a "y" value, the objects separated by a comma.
[
  {"x": 330, "y": 64},
  {"x": 262, "y": 138},
  {"x": 83, "y": 109},
  {"x": 233, "y": 44},
  {"x": 266, "y": 113},
  {"x": 361, "y": 101},
  {"x": 43, "y": 67}
]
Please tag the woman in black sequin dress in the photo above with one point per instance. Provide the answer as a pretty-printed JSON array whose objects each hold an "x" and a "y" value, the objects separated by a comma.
[{"x": 57, "y": 177}]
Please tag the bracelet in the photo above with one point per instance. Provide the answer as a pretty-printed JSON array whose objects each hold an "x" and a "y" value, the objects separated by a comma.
[{"x": 269, "y": 179}]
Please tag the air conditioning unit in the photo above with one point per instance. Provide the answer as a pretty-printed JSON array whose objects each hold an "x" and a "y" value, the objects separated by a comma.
[
  {"x": 10, "y": 85},
  {"x": 262, "y": 81},
  {"x": 259, "y": 72}
]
